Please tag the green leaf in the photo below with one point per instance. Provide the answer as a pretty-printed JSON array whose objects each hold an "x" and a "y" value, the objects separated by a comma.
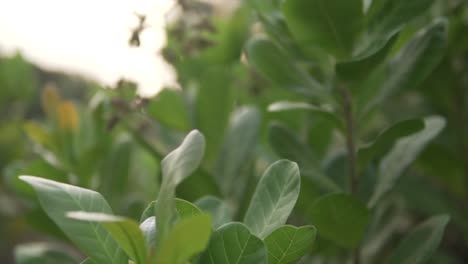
[
  {"x": 176, "y": 166},
  {"x": 234, "y": 244},
  {"x": 220, "y": 211},
  {"x": 287, "y": 244},
  {"x": 237, "y": 149},
  {"x": 407, "y": 69},
  {"x": 288, "y": 146},
  {"x": 41, "y": 253},
  {"x": 327, "y": 114},
  {"x": 212, "y": 116},
  {"x": 331, "y": 25},
  {"x": 387, "y": 139},
  {"x": 124, "y": 231},
  {"x": 402, "y": 155},
  {"x": 184, "y": 209},
  {"x": 340, "y": 218},
  {"x": 275, "y": 64},
  {"x": 169, "y": 108},
  {"x": 188, "y": 238},
  {"x": 58, "y": 198},
  {"x": 419, "y": 245},
  {"x": 148, "y": 227},
  {"x": 274, "y": 198}
]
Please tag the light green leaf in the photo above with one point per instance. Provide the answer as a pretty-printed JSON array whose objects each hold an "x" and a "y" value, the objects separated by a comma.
[
  {"x": 331, "y": 25},
  {"x": 220, "y": 212},
  {"x": 237, "y": 150},
  {"x": 275, "y": 64},
  {"x": 124, "y": 231},
  {"x": 274, "y": 198},
  {"x": 387, "y": 139},
  {"x": 402, "y": 155},
  {"x": 41, "y": 253},
  {"x": 183, "y": 209},
  {"x": 148, "y": 227},
  {"x": 176, "y": 166},
  {"x": 188, "y": 238},
  {"x": 58, "y": 198},
  {"x": 329, "y": 115},
  {"x": 234, "y": 244},
  {"x": 419, "y": 245},
  {"x": 407, "y": 69},
  {"x": 340, "y": 218},
  {"x": 183, "y": 161},
  {"x": 287, "y": 244}
]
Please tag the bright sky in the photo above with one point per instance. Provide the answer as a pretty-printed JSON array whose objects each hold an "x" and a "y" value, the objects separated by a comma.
[{"x": 89, "y": 37}]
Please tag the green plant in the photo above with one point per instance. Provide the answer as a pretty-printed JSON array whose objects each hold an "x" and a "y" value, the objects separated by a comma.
[{"x": 176, "y": 231}]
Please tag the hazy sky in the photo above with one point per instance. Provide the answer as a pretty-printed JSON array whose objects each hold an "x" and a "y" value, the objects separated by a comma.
[{"x": 89, "y": 37}]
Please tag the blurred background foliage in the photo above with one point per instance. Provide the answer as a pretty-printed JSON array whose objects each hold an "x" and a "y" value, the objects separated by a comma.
[{"x": 72, "y": 130}]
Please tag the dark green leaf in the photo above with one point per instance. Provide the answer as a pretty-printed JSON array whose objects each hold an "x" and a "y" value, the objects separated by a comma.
[
  {"x": 340, "y": 218},
  {"x": 288, "y": 146},
  {"x": 274, "y": 64},
  {"x": 331, "y": 25}
]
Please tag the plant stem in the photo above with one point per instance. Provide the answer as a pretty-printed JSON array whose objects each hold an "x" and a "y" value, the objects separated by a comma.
[
  {"x": 350, "y": 138},
  {"x": 351, "y": 149}
]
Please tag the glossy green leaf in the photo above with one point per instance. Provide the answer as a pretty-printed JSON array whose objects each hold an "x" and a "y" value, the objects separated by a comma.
[
  {"x": 186, "y": 239},
  {"x": 275, "y": 64},
  {"x": 340, "y": 218},
  {"x": 407, "y": 69},
  {"x": 176, "y": 166},
  {"x": 124, "y": 231},
  {"x": 58, "y": 198},
  {"x": 402, "y": 155},
  {"x": 421, "y": 243},
  {"x": 234, "y": 244},
  {"x": 237, "y": 149},
  {"x": 331, "y": 25},
  {"x": 287, "y": 244},
  {"x": 219, "y": 210},
  {"x": 387, "y": 139},
  {"x": 41, "y": 253},
  {"x": 274, "y": 198}
]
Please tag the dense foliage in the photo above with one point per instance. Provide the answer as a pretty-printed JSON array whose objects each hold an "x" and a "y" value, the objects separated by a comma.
[{"x": 305, "y": 131}]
